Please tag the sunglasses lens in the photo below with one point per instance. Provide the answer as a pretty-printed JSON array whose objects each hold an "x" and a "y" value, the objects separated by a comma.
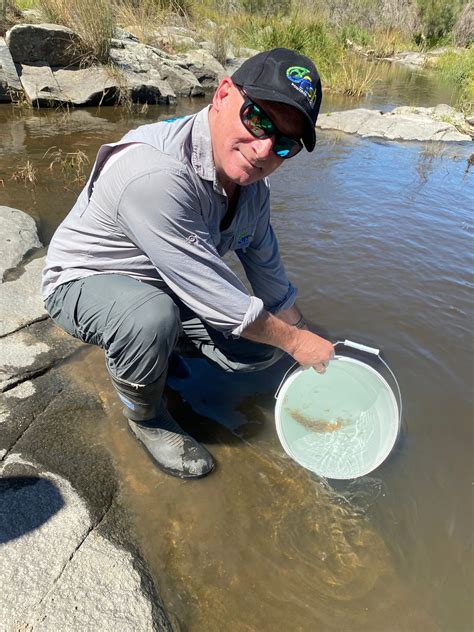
[
  {"x": 285, "y": 147},
  {"x": 257, "y": 122},
  {"x": 261, "y": 126}
]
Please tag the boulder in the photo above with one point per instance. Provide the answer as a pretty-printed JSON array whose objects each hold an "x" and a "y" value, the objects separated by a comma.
[
  {"x": 204, "y": 67},
  {"x": 183, "y": 82},
  {"x": 20, "y": 300},
  {"x": 17, "y": 236},
  {"x": 45, "y": 86},
  {"x": 10, "y": 86},
  {"x": 146, "y": 65},
  {"x": 50, "y": 43},
  {"x": 412, "y": 124},
  {"x": 176, "y": 37},
  {"x": 60, "y": 572}
]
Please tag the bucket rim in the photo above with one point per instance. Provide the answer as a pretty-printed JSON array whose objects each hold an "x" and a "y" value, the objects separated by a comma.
[{"x": 394, "y": 428}]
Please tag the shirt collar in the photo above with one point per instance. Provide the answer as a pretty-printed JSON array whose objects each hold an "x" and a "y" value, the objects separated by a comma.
[{"x": 201, "y": 158}]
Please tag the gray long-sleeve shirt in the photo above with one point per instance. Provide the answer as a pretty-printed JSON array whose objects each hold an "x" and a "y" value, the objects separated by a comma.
[{"x": 154, "y": 213}]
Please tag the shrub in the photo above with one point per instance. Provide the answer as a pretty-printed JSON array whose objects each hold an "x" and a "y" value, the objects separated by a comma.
[
  {"x": 463, "y": 32},
  {"x": 437, "y": 18}
]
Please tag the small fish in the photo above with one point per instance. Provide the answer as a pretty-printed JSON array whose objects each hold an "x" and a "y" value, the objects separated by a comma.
[{"x": 316, "y": 425}]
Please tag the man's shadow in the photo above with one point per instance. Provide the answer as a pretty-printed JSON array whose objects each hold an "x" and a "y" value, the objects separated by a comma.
[
  {"x": 26, "y": 502},
  {"x": 234, "y": 401}
]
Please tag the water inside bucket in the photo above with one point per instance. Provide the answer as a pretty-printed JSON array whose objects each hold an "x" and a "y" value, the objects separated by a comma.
[{"x": 341, "y": 424}]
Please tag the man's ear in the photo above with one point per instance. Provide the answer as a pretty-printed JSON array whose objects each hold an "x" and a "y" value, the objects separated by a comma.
[{"x": 222, "y": 92}]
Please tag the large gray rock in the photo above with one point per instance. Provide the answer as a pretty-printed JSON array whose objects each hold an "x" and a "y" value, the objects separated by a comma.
[
  {"x": 417, "y": 60},
  {"x": 44, "y": 85},
  {"x": 98, "y": 590},
  {"x": 59, "y": 573},
  {"x": 17, "y": 236},
  {"x": 20, "y": 300},
  {"x": 149, "y": 66},
  {"x": 42, "y": 523},
  {"x": 50, "y": 43},
  {"x": 10, "y": 86},
  {"x": 176, "y": 37},
  {"x": 204, "y": 67},
  {"x": 412, "y": 124}
]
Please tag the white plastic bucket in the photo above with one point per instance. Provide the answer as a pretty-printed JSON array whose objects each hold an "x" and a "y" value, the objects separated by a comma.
[{"x": 341, "y": 424}]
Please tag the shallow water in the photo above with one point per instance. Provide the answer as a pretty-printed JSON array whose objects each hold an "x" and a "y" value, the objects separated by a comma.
[{"x": 378, "y": 238}]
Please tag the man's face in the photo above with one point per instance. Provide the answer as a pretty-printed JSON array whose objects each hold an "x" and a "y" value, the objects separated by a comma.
[{"x": 239, "y": 157}]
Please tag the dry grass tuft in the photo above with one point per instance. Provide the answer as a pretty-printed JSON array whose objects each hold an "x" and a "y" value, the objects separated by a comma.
[
  {"x": 72, "y": 164},
  {"x": 92, "y": 20},
  {"x": 25, "y": 174}
]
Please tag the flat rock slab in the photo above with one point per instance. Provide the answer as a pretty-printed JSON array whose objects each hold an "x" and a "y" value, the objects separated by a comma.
[
  {"x": 31, "y": 350},
  {"x": 20, "y": 300},
  {"x": 412, "y": 124},
  {"x": 21, "y": 405},
  {"x": 17, "y": 236},
  {"x": 58, "y": 572},
  {"x": 53, "y": 44},
  {"x": 10, "y": 86},
  {"x": 45, "y": 85},
  {"x": 42, "y": 523}
]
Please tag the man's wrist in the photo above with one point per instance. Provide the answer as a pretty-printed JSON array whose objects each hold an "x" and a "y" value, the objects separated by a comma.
[{"x": 301, "y": 324}]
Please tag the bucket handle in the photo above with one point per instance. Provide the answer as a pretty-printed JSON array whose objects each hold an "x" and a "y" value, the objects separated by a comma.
[
  {"x": 359, "y": 347},
  {"x": 376, "y": 352},
  {"x": 289, "y": 371}
]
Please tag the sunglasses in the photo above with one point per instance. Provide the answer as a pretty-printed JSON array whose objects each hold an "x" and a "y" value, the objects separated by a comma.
[{"x": 260, "y": 125}]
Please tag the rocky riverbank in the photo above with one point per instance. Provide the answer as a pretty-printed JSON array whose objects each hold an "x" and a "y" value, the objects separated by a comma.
[
  {"x": 69, "y": 560},
  {"x": 440, "y": 123},
  {"x": 42, "y": 64}
]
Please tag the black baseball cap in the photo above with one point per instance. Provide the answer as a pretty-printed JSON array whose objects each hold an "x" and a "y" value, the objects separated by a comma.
[{"x": 285, "y": 76}]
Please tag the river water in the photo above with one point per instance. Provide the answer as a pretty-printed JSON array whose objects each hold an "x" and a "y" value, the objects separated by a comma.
[{"x": 378, "y": 238}]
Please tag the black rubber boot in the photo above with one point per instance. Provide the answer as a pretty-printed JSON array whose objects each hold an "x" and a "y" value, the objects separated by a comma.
[{"x": 173, "y": 450}]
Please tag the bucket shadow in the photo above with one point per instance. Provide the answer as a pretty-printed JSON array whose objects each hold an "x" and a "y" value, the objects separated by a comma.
[{"x": 26, "y": 502}]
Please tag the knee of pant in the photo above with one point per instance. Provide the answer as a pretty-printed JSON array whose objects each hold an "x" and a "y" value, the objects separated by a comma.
[
  {"x": 153, "y": 326},
  {"x": 157, "y": 321}
]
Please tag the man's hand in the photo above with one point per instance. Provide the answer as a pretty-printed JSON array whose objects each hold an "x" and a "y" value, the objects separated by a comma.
[
  {"x": 312, "y": 350},
  {"x": 305, "y": 347}
]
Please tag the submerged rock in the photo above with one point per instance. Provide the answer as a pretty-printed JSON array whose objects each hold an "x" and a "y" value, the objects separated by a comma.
[{"x": 440, "y": 123}]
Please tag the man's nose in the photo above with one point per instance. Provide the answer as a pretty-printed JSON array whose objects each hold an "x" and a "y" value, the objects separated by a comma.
[{"x": 263, "y": 147}]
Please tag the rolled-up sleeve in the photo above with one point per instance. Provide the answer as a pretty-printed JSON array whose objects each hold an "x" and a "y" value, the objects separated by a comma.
[
  {"x": 160, "y": 212},
  {"x": 263, "y": 265}
]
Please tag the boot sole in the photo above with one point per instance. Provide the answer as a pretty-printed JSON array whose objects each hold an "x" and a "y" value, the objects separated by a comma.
[{"x": 165, "y": 469}]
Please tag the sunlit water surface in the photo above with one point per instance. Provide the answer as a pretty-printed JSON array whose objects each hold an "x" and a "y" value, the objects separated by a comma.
[{"x": 378, "y": 238}]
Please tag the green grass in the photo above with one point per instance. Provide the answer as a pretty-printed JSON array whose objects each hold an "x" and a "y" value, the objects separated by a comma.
[{"x": 458, "y": 69}]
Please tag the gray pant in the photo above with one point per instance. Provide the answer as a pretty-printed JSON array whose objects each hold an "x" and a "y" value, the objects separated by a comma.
[{"x": 138, "y": 326}]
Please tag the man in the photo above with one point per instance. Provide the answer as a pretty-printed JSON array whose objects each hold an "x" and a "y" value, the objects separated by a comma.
[{"x": 136, "y": 267}]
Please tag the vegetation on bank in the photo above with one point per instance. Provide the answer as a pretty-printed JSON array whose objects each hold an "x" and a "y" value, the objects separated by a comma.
[
  {"x": 327, "y": 30},
  {"x": 458, "y": 68}
]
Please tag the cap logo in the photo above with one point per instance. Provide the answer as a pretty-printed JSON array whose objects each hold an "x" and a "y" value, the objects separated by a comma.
[{"x": 301, "y": 80}]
